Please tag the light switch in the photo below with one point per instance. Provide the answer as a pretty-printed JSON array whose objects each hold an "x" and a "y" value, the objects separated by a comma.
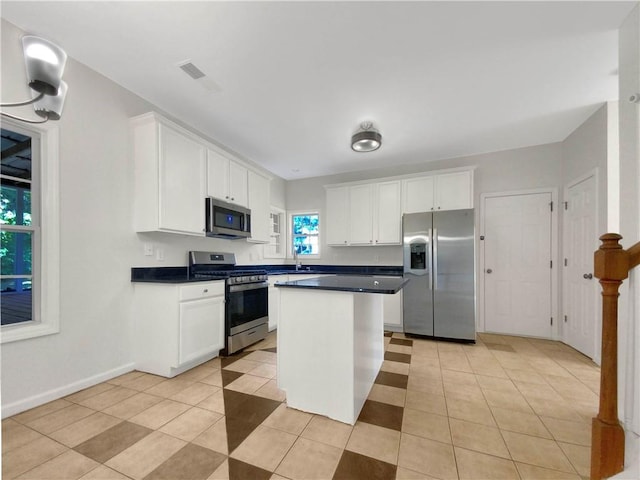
[
  {"x": 160, "y": 254},
  {"x": 148, "y": 249}
]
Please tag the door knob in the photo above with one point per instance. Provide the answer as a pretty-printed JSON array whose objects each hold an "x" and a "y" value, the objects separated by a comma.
[
  {"x": 588, "y": 276},
  {"x": 489, "y": 270}
]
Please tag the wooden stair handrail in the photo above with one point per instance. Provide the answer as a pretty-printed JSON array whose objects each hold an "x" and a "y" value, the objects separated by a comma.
[{"x": 611, "y": 266}]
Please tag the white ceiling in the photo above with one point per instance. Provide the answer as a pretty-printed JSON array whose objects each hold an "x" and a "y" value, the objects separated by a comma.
[{"x": 438, "y": 79}]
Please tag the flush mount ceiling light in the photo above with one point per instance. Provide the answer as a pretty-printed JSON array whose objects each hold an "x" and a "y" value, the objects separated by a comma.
[
  {"x": 367, "y": 139},
  {"x": 45, "y": 63}
]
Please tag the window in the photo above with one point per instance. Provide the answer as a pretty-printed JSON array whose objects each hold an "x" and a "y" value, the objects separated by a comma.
[
  {"x": 305, "y": 239},
  {"x": 277, "y": 235},
  {"x": 28, "y": 232}
]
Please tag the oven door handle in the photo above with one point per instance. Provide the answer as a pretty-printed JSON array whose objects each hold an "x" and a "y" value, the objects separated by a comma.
[{"x": 248, "y": 286}]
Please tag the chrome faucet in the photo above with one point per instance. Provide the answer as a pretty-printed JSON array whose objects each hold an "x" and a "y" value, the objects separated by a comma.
[{"x": 296, "y": 257}]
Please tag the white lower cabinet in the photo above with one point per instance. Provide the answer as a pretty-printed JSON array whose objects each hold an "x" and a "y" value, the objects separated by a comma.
[
  {"x": 392, "y": 312},
  {"x": 274, "y": 300},
  {"x": 177, "y": 326}
]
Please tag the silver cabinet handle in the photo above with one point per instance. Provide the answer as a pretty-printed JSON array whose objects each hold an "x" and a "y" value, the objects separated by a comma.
[
  {"x": 206, "y": 290},
  {"x": 489, "y": 270},
  {"x": 588, "y": 276}
]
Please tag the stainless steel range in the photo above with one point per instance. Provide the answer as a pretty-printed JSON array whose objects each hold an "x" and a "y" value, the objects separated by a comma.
[{"x": 246, "y": 297}]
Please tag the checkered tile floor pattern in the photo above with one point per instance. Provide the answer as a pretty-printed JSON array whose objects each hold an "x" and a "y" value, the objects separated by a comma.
[{"x": 506, "y": 407}]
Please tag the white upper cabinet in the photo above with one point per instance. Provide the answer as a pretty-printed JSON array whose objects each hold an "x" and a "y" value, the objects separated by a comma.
[
  {"x": 170, "y": 167},
  {"x": 259, "y": 204},
  {"x": 337, "y": 216},
  {"x": 361, "y": 214},
  {"x": 447, "y": 191},
  {"x": 387, "y": 215},
  {"x": 226, "y": 180}
]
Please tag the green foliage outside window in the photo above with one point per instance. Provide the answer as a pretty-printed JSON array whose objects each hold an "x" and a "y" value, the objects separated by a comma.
[{"x": 305, "y": 229}]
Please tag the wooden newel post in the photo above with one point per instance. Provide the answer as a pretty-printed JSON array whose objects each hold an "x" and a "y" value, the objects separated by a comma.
[{"x": 607, "y": 439}]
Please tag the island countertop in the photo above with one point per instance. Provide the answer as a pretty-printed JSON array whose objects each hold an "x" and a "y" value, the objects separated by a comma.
[{"x": 349, "y": 283}]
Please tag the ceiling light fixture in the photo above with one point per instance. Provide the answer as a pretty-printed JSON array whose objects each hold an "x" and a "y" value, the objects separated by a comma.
[
  {"x": 367, "y": 139},
  {"x": 45, "y": 63}
]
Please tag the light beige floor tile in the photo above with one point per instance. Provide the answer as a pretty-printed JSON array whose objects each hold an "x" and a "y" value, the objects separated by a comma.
[
  {"x": 325, "y": 430},
  {"x": 579, "y": 456},
  {"x": 386, "y": 394},
  {"x": 214, "y": 379},
  {"x": 28, "y": 456},
  {"x": 214, "y": 437},
  {"x": 146, "y": 455},
  {"x": 470, "y": 411},
  {"x": 197, "y": 373},
  {"x": 452, "y": 376},
  {"x": 489, "y": 370},
  {"x": 427, "y": 456},
  {"x": 247, "y": 383},
  {"x": 191, "y": 423},
  {"x": 271, "y": 391},
  {"x": 41, "y": 411},
  {"x": 265, "y": 370},
  {"x": 132, "y": 405},
  {"x": 498, "y": 384},
  {"x": 533, "y": 391},
  {"x": 60, "y": 418},
  {"x": 424, "y": 349},
  {"x": 374, "y": 441},
  {"x": 215, "y": 402},
  {"x": 426, "y": 402},
  {"x": 526, "y": 376},
  {"x": 68, "y": 466},
  {"x": 545, "y": 408},
  {"x": 406, "y": 474},
  {"x": 195, "y": 393},
  {"x": 531, "y": 472},
  {"x": 275, "y": 476},
  {"x": 89, "y": 392},
  {"x": 159, "y": 414},
  {"x": 213, "y": 363},
  {"x": 242, "y": 366},
  {"x": 169, "y": 388},
  {"x": 143, "y": 382},
  {"x": 426, "y": 384},
  {"x": 288, "y": 420},
  {"x": 395, "y": 367},
  {"x": 15, "y": 434},
  {"x": 424, "y": 363},
  {"x": 567, "y": 431},
  {"x": 399, "y": 348},
  {"x": 221, "y": 473},
  {"x": 520, "y": 422},
  {"x": 433, "y": 373},
  {"x": 106, "y": 399},
  {"x": 509, "y": 400},
  {"x": 84, "y": 429},
  {"x": 479, "y": 466},
  {"x": 265, "y": 447},
  {"x": 479, "y": 438},
  {"x": 262, "y": 357},
  {"x": 126, "y": 377},
  {"x": 104, "y": 473},
  {"x": 455, "y": 362},
  {"x": 427, "y": 425},
  {"x": 461, "y": 391},
  {"x": 536, "y": 451},
  {"x": 310, "y": 460}
]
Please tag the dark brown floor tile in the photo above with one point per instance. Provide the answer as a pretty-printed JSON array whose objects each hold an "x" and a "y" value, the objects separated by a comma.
[
  {"x": 192, "y": 462},
  {"x": 388, "y": 334},
  {"x": 392, "y": 379},
  {"x": 382, "y": 414},
  {"x": 243, "y": 471},
  {"x": 498, "y": 346},
  {"x": 229, "y": 376},
  {"x": 397, "y": 357},
  {"x": 111, "y": 442},
  {"x": 402, "y": 341},
  {"x": 237, "y": 431},
  {"x": 354, "y": 466},
  {"x": 250, "y": 408},
  {"x": 272, "y": 350}
]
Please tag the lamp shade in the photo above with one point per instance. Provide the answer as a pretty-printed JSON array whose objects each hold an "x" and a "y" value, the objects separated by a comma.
[
  {"x": 45, "y": 63},
  {"x": 366, "y": 141},
  {"x": 50, "y": 106}
]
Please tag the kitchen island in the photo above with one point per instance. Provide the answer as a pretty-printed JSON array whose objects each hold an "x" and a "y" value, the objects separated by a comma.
[{"x": 331, "y": 342}]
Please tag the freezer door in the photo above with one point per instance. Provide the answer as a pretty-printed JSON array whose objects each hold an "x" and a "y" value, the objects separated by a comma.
[
  {"x": 453, "y": 273},
  {"x": 417, "y": 297}
]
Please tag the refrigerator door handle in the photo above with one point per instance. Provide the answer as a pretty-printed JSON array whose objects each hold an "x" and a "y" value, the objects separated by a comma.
[
  {"x": 434, "y": 269},
  {"x": 430, "y": 255}
]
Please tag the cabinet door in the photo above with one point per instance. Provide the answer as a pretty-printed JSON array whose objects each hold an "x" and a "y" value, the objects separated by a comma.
[
  {"x": 388, "y": 218},
  {"x": 361, "y": 215},
  {"x": 238, "y": 186},
  {"x": 337, "y": 216},
  {"x": 259, "y": 202},
  {"x": 418, "y": 194},
  {"x": 274, "y": 307},
  {"x": 217, "y": 176},
  {"x": 453, "y": 191},
  {"x": 201, "y": 328},
  {"x": 182, "y": 186},
  {"x": 392, "y": 310}
]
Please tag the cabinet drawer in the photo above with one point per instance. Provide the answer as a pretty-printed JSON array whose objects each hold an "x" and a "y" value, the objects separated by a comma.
[{"x": 201, "y": 290}]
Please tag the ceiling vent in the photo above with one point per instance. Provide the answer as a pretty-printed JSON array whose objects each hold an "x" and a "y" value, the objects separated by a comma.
[{"x": 191, "y": 70}]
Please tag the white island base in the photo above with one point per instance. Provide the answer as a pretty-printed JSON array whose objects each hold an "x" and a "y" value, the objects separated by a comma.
[{"x": 330, "y": 350}]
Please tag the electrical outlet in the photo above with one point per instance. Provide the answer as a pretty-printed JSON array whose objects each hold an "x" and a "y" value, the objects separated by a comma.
[
  {"x": 160, "y": 255},
  {"x": 376, "y": 258},
  {"x": 148, "y": 249}
]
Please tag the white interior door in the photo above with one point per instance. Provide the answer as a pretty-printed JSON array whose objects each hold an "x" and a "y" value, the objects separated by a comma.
[
  {"x": 580, "y": 241},
  {"x": 517, "y": 264}
]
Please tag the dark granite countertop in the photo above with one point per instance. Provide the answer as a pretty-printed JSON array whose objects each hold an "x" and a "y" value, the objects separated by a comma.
[
  {"x": 349, "y": 283},
  {"x": 165, "y": 275}
]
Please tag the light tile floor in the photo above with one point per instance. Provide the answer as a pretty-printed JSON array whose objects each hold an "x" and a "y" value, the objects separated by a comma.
[{"x": 506, "y": 407}]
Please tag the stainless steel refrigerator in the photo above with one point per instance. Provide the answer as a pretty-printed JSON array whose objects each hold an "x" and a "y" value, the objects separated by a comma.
[{"x": 438, "y": 252}]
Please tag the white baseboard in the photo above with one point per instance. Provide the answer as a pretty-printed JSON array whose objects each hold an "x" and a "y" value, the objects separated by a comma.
[{"x": 42, "y": 398}]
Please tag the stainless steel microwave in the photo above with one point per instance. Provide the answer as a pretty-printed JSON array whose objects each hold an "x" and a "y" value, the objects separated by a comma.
[{"x": 226, "y": 220}]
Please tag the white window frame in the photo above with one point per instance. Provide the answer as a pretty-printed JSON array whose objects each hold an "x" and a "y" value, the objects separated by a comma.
[
  {"x": 290, "y": 233},
  {"x": 45, "y": 206}
]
